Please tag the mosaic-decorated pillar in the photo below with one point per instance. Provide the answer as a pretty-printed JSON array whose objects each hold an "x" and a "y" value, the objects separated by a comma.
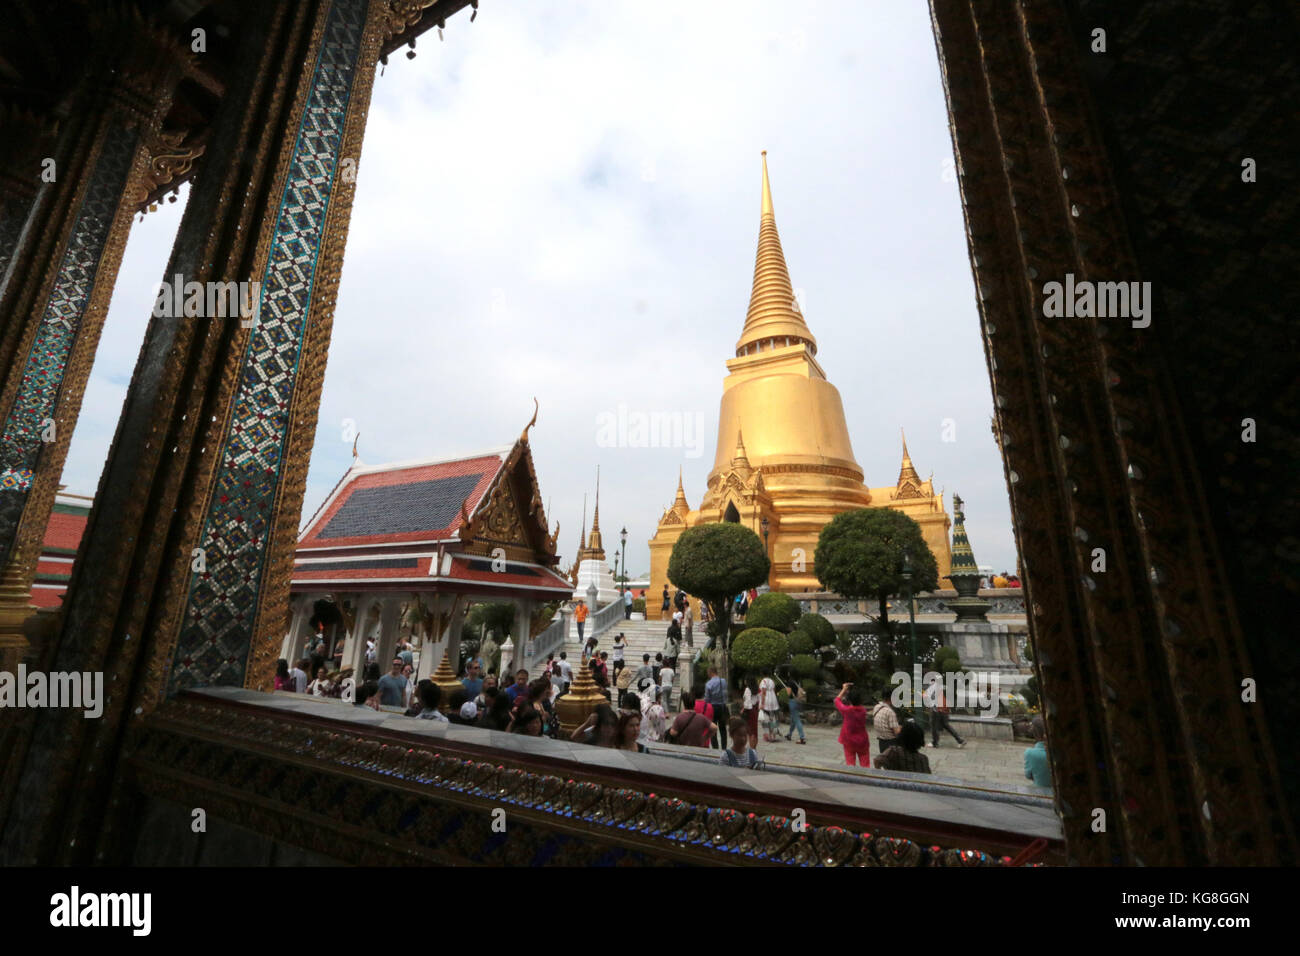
[
  {"x": 1139, "y": 650},
  {"x": 184, "y": 574},
  {"x": 65, "y": 265}
]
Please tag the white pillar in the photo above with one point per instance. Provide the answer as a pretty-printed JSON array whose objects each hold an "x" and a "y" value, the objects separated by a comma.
[
  {"x": 350, "y": 641},
  {"x": 523, "y": 624},
  {"x": 454, "y": 626},
  {"x": 357, "y": 658},
  {"x": 388, "y": 621},
  {"x": 300, "y": 606}
]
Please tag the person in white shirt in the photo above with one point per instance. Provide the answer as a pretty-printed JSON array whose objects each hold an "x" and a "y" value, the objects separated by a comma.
[
  {"x": 370, "y": 650},
  {"x": 620, "y": 645},
  {"x": 666, "y": 675},
  {"x": 566, "y": 670},
  {"x": 299, "y": 675},
  {"x": 768, "y": 706},
  {"x": 654, "y": 718},
  {"x": 321, "y": 686}
]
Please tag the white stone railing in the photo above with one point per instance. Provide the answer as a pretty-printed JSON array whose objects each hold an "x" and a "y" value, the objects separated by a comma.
[
  {"x": 549, "y": 641},
  {"x": 605, "y": 618}
]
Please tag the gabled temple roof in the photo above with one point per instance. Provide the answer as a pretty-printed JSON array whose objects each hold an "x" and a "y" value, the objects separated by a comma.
[
  {"x": 434, "y": 524},
  {"x": 63, "y": 535},
  {"x": 421, "y": 500}
]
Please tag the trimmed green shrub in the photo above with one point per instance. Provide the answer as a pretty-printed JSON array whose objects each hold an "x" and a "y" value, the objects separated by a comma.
[
  {"x": 638, "y": 604},
  {"x": 783, "y": 698},
  {"x": 817, "y": 628},
  {"x": 805, "y": 665},
  {"x": 1030, "y": 692},
  {"x": 809, "y": 685},
  {"x": 946, "y": 660},
  {"x": 773, "y": 610},
  {"x": 760, "y": 649},
  {"x": 801, "y": 643}
]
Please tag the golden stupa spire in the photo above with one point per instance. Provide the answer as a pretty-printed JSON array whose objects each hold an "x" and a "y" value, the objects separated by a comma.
[{"x": 773, "y": 319}]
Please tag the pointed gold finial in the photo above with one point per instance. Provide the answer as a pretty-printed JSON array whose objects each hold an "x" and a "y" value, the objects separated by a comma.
[
  {"x": 524, "y": 434},
  {"x": 355, "y": 439},
  {"x": 774, "y": 319},
  {"x": 767, "y": 191}
]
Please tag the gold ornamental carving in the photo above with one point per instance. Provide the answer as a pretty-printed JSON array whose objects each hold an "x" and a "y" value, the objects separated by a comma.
[{"x": 169, "y": 160}]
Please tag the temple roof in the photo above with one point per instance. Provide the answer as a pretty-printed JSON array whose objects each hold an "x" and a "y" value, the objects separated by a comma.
[
  {"x": 63, "y": 535},
  {"x": 433, "y": 524},
  {"x": 773, "y": 311},
  {"x": 402, "y": 502}
]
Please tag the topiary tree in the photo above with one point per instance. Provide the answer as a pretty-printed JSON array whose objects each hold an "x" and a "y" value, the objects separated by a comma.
[
  {"x": 947, "y": 660},
  {"x": 805, "y": 665},
  {"x": 715, "y": 562},
  {"x": 760, "y": 649},
  {"x": 819, "y": 630},
  {"x": 774, "y": 610},
  {"x": 860, "y": 556},
  {"x": 801, "y": 643}
]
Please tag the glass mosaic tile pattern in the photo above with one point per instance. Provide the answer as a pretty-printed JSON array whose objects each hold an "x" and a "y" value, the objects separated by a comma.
[
  {"x": 46, "y": 363},
  {"x": 216, "y": 631}
]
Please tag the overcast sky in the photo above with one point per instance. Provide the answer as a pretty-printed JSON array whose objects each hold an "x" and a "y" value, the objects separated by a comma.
[{"x": 561, "y": 200}]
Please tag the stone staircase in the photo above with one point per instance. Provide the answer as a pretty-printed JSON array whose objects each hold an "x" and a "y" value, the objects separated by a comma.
[{"x": 643, "y": 637}]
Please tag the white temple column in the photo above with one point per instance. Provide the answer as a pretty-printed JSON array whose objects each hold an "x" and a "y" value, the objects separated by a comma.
[
  {"x": 389, "y": 618},
  {"x": 523, "y": 624},
  {"x": 454, "y": 628},
  {"x": 300, "y": 606},
  {"x": 357, "y": 658}
]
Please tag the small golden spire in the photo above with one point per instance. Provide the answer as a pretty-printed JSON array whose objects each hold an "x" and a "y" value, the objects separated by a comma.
[
  {"x": 355, "y": 439},
  {"x": 906, "y": 471}
]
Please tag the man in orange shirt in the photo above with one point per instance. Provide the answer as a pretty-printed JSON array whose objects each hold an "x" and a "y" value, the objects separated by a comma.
[{"x": 580, "y": 615}]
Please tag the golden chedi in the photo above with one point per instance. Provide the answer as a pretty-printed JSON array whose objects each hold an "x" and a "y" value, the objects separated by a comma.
[{"x": 783, "y": 451}]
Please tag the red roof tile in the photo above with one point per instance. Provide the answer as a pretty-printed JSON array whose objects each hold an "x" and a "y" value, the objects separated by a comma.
[
  {"x": 65, "y": 530},
  {"x": 416, "y": 503}
]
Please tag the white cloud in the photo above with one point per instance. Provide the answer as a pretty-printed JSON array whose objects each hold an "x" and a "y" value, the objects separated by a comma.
[{"x": 561, "y": 201}]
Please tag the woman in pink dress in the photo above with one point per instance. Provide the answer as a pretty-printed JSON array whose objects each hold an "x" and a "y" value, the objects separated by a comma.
[{"x": 853, "y": 732}]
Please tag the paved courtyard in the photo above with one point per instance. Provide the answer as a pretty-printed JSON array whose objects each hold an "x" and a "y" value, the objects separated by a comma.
[{"x": 981, "y": 761}]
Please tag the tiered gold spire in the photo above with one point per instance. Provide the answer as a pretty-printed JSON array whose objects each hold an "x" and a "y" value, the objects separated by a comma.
[
  {"x": 773, "y": 313},
  {"x": 907, "y": 476},
  {"x": 740, "y": 459},
  {"x": 594, "y": 548},
  {"x": 681, "y": 493}
]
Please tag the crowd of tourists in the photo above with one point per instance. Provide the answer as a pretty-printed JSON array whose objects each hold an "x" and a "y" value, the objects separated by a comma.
[{"x": 639, "y": 703}]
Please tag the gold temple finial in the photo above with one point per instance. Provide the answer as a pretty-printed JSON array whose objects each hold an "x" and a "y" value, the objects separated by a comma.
[
  {"x": 523, "y": 436},
  {"x": 774, "y": 319},
  {"x": 355, "y": 439},
  {"x": 767, "y": 191},
  {"x": 595, "y": 518},
  {"x": 680, "y": 489}
]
